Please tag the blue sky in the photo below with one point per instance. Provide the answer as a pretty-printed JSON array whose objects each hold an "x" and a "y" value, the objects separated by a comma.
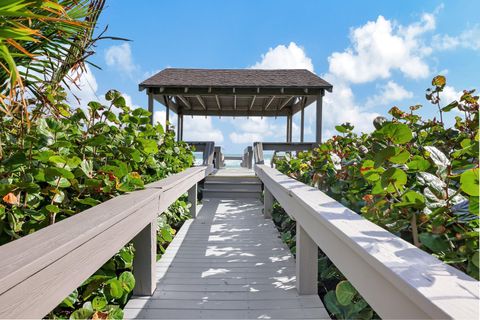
[{"x": 377, "y": 54}]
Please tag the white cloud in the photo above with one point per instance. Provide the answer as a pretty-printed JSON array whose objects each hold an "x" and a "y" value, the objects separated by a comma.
[
  {"x": 390, "y": 92},
  {"x": 120, "y": 57},
  {"x": 449, "y": 94},
  {"x": 285, "y": 57},
  {"x": 380, "y": 47},
  {"x": 201, "y": 129},
  {"x": 256, "y": 129},
  {"x": 468, "y": 39},
  {"x": 340, "y": 107}
]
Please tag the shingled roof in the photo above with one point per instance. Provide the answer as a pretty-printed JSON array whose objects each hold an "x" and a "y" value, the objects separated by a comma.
[
  {"x": 235, "y": 92},
  {"x": 236, "y": 78}
]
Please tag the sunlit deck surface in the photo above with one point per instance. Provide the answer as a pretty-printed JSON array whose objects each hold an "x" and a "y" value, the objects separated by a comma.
[
  {"x": 229, "y": 263},
  {"x": 233, "y": 172}
]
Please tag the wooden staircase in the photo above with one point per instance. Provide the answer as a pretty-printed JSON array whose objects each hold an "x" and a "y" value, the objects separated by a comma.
[{"x": 232, "y": 183}]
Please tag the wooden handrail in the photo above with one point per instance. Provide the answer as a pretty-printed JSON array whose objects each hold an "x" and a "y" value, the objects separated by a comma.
[
  {"x": 206, "y": 147},
  {"x": 259, "y": 147},
  {"x": 396, "y": 278},
  {"x": 39, "y": 270}
]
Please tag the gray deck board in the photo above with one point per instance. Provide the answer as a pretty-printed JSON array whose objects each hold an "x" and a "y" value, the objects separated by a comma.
[{"x": 229, "y": 263}]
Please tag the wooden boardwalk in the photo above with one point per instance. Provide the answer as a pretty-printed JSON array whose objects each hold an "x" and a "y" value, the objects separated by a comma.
[{"x": 229, "y": 263}]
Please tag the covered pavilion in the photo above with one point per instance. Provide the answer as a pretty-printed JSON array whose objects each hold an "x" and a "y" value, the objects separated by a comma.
[{"x": 238, "y": 93}]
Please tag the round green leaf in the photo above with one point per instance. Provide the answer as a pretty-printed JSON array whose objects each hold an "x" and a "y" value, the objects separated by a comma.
[
  {"x": 99, "y": 303},
  {"x": 469, "y": 182},
  {"x": 116, "y": 290},
  {"x": 401, "y": 156},
  {"x": 397, "y": 132},
  {"x": 52, "y": 208},
  {"x": 115, "y": 313},
  {"x": 345, "y": 292},
  {"x": 393, "y": 178},
  {"x": 128, "y": 281},
  {"x": 81, "y": 314},
  {"x": 436, "y": 243}
]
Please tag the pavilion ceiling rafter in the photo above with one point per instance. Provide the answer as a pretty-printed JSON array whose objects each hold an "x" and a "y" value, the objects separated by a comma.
[
  {"x": 252, "y": 103},
  {"x": 202, "y": 103}
]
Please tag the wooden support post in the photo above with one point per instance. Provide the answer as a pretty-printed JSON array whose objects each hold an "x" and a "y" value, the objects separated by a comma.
[
  {"x": 167, "y": 112},
  {"x": 302, "y": 123},
  {"x": 150, "y": 106},
  {"x": 144, "y": 270},
  {"x": 192, "y": 198},
  {"x": 288, "y": 129},
  {"x": 290, "y": 126},
  {"x": 218, "y": 157},
  {"x": 267, "y": 204},
  {"x": 307, "y": 263},
  {"x": 319, "y": 117},
  {"x": 179, "y": 126},
  {"x": 249, "y": 158}
]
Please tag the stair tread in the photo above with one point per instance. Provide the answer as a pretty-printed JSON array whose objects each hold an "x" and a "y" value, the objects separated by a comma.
[{"x": 231, "y": 190}]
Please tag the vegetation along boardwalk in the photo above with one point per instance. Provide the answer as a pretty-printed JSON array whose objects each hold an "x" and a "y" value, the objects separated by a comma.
[{"x": 228, "y": 263}]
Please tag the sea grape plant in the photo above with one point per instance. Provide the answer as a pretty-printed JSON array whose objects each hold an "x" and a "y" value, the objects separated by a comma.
[
  {"x": 415, "y": 177},
  {"x": 63, "y": 164}
]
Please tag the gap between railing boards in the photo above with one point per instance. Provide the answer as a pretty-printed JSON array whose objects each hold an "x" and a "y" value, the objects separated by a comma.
[
  {"x": 39, "y": 270},
  {"x": 397, "y": 279}
]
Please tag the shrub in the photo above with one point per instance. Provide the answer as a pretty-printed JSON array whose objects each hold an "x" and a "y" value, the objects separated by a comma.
[
  {"x": 414, "y": 177},
  {"x": 62, "y": 165}
]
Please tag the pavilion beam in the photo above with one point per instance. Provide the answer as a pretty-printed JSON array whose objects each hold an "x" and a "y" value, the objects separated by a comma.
[
  {"x": 150, "y": 105},
  {"x": 236, "y": 113},
  {"x": 235, "y": 102},
  {"x": 211, "y": 91},
  {"x": 202, "y": 103},
  {"x": 319, "y": 117}
]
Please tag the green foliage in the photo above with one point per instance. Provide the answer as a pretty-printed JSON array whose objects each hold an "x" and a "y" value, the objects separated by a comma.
[
  {"x": 42, "y": 43},
  {"x": 415, "y": 177},
  {"x": 65, "y": 165}
]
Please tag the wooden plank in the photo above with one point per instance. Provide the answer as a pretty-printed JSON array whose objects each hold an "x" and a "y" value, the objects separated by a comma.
[
  {"x": 206, "y": 272},
  {"x": 403, "y": 281}
]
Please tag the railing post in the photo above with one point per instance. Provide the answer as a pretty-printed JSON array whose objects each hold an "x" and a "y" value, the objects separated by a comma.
[
  {"x": 145, "y": 244},
  {"x": 192, "y": 198},
  {"x": 307, "y": 263},
  {"x": 267, "y": 204}
]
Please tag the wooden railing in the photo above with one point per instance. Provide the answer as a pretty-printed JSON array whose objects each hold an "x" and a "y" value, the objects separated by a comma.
[
  {"x": 207, "y": 148},
  {"x": 259, "y": 147},
  {"x": 396, "y": 278},
  {"x": 39, "y": 270}
]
